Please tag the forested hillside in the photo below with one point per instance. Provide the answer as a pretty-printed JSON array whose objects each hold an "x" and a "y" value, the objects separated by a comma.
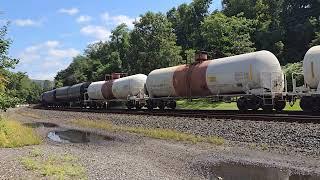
[{"x": 285, "y": 27}]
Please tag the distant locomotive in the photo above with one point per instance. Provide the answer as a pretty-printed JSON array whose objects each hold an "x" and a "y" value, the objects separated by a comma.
[{"x": 254, "y": 80}]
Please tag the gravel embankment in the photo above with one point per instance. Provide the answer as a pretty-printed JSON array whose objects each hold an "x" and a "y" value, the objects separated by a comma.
[
  {"x": 281, "y": 136},
  {"x": 129, "y": 156}
]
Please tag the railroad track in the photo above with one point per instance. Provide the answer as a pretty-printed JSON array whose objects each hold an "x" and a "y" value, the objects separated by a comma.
[{"x": 286, "y": 116}]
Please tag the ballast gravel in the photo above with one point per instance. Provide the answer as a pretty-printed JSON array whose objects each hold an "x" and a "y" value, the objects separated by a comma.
[
  {"x": 282, "y": 136},
  {"x": 289, "y": 146}
]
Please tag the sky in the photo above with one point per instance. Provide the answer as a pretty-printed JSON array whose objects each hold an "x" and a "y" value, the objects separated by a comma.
[{"x": 46, "y": 34}]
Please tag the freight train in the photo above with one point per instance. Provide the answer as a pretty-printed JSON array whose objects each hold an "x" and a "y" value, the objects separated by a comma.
[{"x": 254, "y": 80}]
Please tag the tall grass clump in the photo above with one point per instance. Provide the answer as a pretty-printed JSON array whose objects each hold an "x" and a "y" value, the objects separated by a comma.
[{"x": 14, "y": 134}]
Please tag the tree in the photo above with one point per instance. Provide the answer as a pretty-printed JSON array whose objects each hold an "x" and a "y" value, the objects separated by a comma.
[
  {"x": 153, "y": 44},
  {"x": 5, "y": 60},
  {"x": 186, "y": 21},
  {"x": 78, "y": 71},
  {"x": 268, "y": 34},
  {"x": 120, "y": 46},
  {"x": 6, "y": 63},
  {"x": 293, "y": 68},
  {"x": 47, "y": 85},
  {"x": 227, "y": 36}
]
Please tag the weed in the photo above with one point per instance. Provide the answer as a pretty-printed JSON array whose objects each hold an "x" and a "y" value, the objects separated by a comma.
[
  {"x": 53, "y": 166},
  {"x": 168, "y": 134},
  {"x": 14, "y": 134},
  {"x": 264, "y": 147}
]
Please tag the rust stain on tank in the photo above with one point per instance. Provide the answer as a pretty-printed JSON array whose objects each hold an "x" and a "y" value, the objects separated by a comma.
[
  {"x": 107, "y": 90},
  {"x": 190, "y": 80}
]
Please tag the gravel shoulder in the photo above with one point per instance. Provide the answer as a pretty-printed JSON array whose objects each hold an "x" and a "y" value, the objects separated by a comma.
[{"x": 129, "y": 156}]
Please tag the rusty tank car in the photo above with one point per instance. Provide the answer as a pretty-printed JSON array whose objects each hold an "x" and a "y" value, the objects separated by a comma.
[{"x": 258, "y": 72}]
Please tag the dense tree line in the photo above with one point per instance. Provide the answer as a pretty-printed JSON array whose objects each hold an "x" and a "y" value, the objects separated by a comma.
[{"x": 288, "y": 28}]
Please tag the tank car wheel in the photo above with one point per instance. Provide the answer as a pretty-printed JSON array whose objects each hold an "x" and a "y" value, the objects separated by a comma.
[
  {"x": 138, "y": 105},
  {"x": 130, "y": 105},
  {"x": 242, "y": 104},
  {"x": 255, "y": 103},
  {"x": 150, "y": 105},
  {"x": 172, "y": 104},
  {"x": 267, "y": 108},
  {"x": 279, "y": 105},
  {"x": 315, "y": 104},
  {"x": 306, "y": 103},
  {"x": 161, "y": 105}
]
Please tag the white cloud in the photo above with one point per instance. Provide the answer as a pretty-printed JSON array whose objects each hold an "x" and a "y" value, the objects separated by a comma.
[
  {"x": 117, "y": 20},
  {"x": 71, "y": 11},
  {"x": 83, "y": 19},
  {"x": 52, "y": 44},
  {"x": 26, "y": 22},
  {"x": 43, "y": 60},
  {"x": 43, "y": 76},
  {"x": 62, "y": 53},
  {"x": 98, "y": 32}
]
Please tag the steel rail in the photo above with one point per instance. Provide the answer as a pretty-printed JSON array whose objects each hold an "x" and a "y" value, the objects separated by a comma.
[{"x": 286, "y": 116}]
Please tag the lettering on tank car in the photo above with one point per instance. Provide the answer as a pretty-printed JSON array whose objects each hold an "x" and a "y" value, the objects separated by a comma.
[
  {"x": 118, "y": 88},
  {"x": 241, "y": 76},
  {"x": 160, "y": 85},
  {"x": 212, "y": 79}
]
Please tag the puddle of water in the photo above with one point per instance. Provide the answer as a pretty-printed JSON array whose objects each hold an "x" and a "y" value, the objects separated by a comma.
[
  {"x": 228, "y": 171},
  {"x": 41, "y": 124},
  {"x": 75, "y": 136}
]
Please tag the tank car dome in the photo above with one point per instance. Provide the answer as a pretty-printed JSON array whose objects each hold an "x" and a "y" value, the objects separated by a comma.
[{"x": 311, "y": 67}]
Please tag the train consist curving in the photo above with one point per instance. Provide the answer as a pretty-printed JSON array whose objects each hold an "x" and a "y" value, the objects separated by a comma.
[{"x": 254, "y": 80}]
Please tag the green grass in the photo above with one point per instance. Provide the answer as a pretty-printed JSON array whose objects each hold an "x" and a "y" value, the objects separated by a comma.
[
  {"x": 197, "y": 104},
  {"x": 14, "y": 134},
  {"x": 295, "y": 107},
  {"x": 51, "y": 166},
  {"x": 204, "y": 104},
  {"x": 167, "y": 134}
]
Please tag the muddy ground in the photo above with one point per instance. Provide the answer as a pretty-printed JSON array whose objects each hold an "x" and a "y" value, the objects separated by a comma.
[{"x": 131, "y": 156}]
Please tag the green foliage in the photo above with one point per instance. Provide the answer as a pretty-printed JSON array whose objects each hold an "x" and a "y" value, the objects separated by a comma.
[
  {"x": 287, "y": 28},
  {"x": 186, "y": 21},
  {"x": 153, "y": 44},
  {"x": 284, "y": 27},
  {"x": 5, "y": 60},
  {"x": 7, "y": 97},
  {"x": 7, "y": 101},
  {"x": 14, "y": 134},
  {"x": 205, "y": 104},
  {"x": 199, "y": 104},
  {"x": 227, "y": 36},
  {"x": 21, "y": 87},
  {"x": 293, "y": 68}
]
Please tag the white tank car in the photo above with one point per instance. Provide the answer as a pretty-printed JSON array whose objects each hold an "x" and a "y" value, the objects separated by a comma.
[
  {"x": 129, "y": 86},
  {"x": 120, "y": 88},
  {"x": 229, "y": 75},
  {"x": 311, "y": 67},
  {"x": 94, "y": 90}
]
